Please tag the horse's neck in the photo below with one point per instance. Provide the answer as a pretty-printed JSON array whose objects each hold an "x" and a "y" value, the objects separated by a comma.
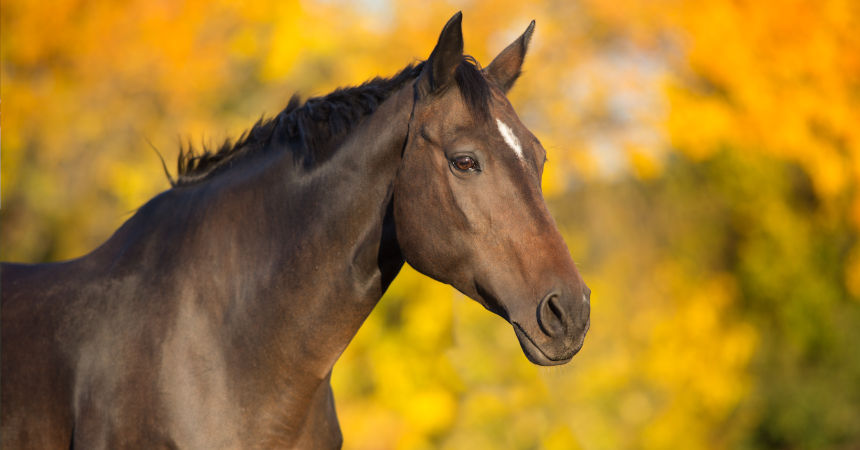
[
  {"x": 349, "y": 252},
  {"x": 290, "y": 260}
]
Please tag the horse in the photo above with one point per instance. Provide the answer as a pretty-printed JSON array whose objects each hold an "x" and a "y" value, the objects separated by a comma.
[{"x": 212, "y": 318}]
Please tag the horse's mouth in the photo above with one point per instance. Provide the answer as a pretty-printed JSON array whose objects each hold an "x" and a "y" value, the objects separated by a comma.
[{"x": 535, "y": 354}]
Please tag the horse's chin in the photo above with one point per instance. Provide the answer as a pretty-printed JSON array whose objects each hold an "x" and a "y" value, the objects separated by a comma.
[{"x": 535, "y": 354}]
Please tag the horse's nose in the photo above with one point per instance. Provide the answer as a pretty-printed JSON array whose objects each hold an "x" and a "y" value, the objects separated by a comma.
[
  {"x": 556, "y": 314},
  {"x": 551, "y": 317}
]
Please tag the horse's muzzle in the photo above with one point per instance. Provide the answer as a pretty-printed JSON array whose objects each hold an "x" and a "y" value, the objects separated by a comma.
[{"x": 563, "y": 322}]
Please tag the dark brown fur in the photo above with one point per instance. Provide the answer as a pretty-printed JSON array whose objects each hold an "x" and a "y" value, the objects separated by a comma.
[{"x": 213, "y": 317}]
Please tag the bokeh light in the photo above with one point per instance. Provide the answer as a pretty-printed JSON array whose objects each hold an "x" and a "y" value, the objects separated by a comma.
[{"x": 704, "y": 166}]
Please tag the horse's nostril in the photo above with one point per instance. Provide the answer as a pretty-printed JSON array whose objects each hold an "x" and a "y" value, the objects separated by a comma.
[{"x": 551, "y": 316}]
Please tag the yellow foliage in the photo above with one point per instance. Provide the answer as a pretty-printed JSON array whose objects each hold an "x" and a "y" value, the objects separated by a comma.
[
  {"x": 644, "y": 165},
  {"x": 610, "y": 87}
]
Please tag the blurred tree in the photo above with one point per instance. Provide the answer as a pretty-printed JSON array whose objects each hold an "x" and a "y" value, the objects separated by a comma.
[
  {"x": 767, "y": 257},
  {"x": 704, "y": 159}
]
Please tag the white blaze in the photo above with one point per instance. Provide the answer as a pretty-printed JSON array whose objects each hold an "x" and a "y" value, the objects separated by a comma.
[{"x": 510, "y": 138}]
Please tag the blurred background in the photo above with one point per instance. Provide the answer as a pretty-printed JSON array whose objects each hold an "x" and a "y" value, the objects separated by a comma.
[{"x": 704, "y": 160}]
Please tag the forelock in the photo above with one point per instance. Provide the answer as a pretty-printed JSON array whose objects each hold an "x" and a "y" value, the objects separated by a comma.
[{"x": 474, "y": 88}]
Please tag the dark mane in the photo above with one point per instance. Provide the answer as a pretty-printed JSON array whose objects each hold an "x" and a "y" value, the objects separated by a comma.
[{"x": 314, "y": 129}]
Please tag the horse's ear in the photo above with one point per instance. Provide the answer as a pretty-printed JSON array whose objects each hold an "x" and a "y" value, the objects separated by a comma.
[
  {"x": 446, "y": 56},
  {"x": 505, "y": 69}
]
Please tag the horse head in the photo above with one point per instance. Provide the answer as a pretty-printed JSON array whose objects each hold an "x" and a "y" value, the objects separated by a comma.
[{"x": 468, "y": 206}]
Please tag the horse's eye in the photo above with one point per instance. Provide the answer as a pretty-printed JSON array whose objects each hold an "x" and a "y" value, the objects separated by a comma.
[{"x": 465, "y": 163}]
